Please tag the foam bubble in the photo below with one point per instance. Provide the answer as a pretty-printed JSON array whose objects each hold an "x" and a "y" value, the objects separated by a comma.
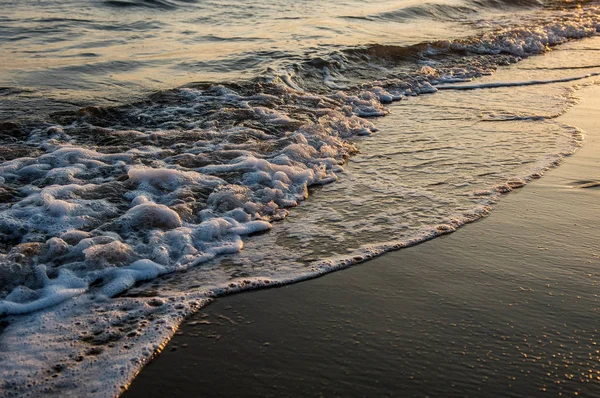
[{"x": 65, "y": 286}]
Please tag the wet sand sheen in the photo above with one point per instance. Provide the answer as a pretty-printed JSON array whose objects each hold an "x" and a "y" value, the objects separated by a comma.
[{"x": 508, "y": 306}]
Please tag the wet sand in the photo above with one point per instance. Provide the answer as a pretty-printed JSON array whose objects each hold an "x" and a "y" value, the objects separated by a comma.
[{"x": 506, "y": 306}]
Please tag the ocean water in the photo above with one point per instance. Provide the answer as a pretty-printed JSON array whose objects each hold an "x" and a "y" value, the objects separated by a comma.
[{"x": 158, "y": 154}]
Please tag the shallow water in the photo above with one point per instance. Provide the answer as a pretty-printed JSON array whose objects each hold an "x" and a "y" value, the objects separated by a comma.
[
  {"x": 202, "y": 189},
  {"x": 66, "y": 54}
]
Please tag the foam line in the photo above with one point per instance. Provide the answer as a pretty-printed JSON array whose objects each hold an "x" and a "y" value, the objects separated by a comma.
[{"x": 514, "y": 84}]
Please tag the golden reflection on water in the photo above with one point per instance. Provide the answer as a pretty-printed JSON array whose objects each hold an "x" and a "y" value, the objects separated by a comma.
[{"x": 50, "y": 42}]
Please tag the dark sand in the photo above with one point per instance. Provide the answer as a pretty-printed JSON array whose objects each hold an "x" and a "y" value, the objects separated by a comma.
[{"x": 507, "y": 306}]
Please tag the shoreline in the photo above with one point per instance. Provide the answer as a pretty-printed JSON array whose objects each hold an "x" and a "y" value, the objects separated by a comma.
[{"x": 332, "y": 323}]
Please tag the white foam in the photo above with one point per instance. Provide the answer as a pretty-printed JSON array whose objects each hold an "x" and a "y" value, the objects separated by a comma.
[
  {"x": 150, "y": 216},
  {"x": 65, "y": 286},
  {"x": 123, "y": 278},
  {"x": 366, "y": 103},
  {"x": 514, "y": 84},
  {"x": 168, "y": 179}
]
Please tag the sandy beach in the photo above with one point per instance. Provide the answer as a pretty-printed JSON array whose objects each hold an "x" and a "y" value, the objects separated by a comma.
[{"x": 506, "y": 306}]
